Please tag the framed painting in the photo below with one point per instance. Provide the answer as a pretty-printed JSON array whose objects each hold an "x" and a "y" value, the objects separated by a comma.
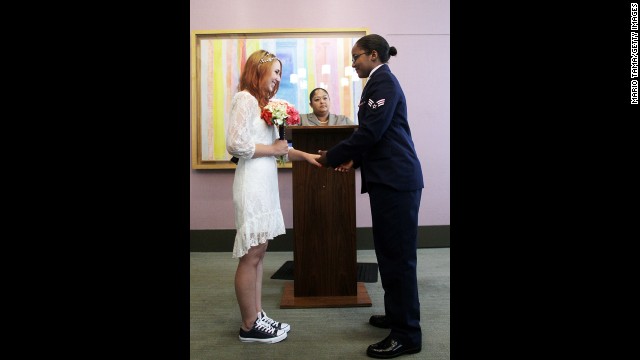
[{"x": 311, "y": 58}]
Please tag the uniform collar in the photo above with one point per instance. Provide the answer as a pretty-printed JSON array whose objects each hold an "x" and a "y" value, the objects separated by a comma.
[{"x": 374, "y": 69}]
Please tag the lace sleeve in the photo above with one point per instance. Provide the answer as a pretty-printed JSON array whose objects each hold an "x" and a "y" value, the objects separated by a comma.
[{"x": 239, "y": 140}]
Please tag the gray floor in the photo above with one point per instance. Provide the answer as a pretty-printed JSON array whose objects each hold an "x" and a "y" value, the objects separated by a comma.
[{"x": 328, "y": 333}]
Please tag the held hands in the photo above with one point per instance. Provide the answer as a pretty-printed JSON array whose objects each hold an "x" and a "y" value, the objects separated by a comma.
[
  {"x": 297, "y": 155},
  {"x": 345, "y": 167},
  {"x": 342, "y": 168},
  {"x": 312, "y": 159},
  {"x": 323, "y": 158}
]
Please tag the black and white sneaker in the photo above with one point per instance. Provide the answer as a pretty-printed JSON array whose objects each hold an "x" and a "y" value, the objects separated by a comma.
[
  {"x": 276, "y": 324},
  {"x": 262, "y": 332}
]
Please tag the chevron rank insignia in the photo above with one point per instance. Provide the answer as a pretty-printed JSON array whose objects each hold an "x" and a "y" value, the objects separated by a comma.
[{"x": 375, "y": 104}]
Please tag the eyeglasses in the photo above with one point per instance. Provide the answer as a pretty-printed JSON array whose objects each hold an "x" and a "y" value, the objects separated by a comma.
[{"x": 355, "y": 57}]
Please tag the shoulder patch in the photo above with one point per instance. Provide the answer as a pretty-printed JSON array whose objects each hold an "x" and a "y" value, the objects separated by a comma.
[{"x": 375, "y": 104}]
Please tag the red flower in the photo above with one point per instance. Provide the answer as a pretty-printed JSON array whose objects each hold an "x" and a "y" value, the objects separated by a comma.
[
  {"x": 294, "y": 116},
  {"x": 267, "y": 115}
]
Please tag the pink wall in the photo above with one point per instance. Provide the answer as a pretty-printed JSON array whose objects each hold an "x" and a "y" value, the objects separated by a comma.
[{"x": 419, "y": 29}]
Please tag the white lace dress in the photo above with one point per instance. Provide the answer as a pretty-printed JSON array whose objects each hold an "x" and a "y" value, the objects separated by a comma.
[{"x": 256, "y": 196}]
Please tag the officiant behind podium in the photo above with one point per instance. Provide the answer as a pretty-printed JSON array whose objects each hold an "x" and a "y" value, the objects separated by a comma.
[{"x": 320, "y": 103}]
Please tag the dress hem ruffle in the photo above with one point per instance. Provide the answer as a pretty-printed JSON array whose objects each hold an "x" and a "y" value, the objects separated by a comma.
[{"x": 258, "y": 231}]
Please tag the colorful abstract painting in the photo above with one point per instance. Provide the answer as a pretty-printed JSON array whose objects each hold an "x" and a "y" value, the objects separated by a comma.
[{"x": 319, "y": 60}]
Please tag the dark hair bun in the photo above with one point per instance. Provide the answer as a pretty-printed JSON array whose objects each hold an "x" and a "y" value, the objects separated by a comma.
[{"x": 393, "y": 51}]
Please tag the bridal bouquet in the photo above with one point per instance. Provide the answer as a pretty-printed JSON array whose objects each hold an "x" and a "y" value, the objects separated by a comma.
[{"x": 280, "y": 113}]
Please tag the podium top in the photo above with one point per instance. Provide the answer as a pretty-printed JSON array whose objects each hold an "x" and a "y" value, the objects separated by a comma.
[{"x": 314, "y": 128}]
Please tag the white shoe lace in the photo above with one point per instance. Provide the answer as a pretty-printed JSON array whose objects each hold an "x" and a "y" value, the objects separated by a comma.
[
  {"x": 261, "y": 325},
  {"x": 269, "y": 320}
]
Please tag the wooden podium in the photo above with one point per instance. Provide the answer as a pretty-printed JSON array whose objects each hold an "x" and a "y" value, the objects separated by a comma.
[{"x": 324, "y": 227}]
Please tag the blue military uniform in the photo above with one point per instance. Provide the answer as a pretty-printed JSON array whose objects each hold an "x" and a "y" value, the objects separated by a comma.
[{"x": 391, "y": 173}]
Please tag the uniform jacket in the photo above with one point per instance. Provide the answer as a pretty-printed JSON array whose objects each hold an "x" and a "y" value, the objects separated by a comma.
[{"x": 382, "y": 146}]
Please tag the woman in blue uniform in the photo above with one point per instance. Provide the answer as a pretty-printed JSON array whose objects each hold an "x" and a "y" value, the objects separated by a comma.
[{"x": 392, "y": 175}]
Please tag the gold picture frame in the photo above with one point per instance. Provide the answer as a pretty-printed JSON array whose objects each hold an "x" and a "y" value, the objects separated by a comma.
[{"x": 310, "y": 58}]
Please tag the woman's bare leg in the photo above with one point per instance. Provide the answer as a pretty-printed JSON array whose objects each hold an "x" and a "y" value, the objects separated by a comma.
[{"x": 248, "y": 284}]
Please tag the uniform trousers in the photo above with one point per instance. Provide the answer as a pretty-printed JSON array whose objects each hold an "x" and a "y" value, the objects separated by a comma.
[{"x": 394, "y": 216}]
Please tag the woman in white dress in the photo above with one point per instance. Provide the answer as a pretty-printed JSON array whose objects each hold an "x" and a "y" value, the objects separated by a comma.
[{"x": 256, "y": 197}]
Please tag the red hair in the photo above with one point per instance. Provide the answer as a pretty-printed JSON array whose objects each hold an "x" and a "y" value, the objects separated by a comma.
[{"x": 257, "y": 67}]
